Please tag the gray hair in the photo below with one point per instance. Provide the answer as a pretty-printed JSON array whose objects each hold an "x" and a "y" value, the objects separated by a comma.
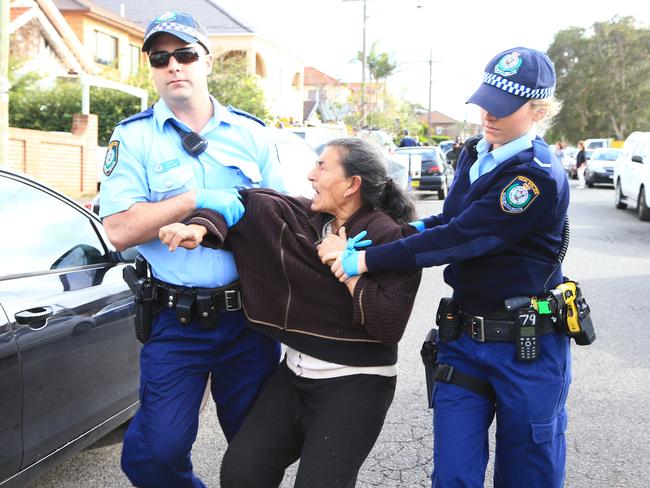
[{"x": 364, "y": 159}]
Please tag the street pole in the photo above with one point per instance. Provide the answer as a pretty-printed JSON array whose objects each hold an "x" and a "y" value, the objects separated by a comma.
[
  {"x": 430, "y": 83},
  {"x": 363, "y": 67},
  {"x": 4, "y": 82}
]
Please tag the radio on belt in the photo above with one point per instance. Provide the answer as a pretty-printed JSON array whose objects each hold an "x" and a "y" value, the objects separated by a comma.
[{"x": 526, "y": 335}]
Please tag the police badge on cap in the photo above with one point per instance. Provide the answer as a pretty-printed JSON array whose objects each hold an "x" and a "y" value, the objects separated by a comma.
[
  {"x": 512, "y": 78},
  {"x": 179, "y": 24}
]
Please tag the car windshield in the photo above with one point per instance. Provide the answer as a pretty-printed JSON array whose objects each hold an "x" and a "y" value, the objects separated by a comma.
[
  {"x": 605, "y": 154},
  {"x": 429, "y": 157}
]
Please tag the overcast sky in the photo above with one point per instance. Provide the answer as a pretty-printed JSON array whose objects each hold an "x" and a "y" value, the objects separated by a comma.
[{"x": 464, "y": 36}]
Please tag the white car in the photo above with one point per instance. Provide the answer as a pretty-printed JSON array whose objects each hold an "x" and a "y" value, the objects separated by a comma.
[
  {"x": 600, "y": 166},
  {"x": 297, "y": 159},
  {"x": 632, "y": 174}
]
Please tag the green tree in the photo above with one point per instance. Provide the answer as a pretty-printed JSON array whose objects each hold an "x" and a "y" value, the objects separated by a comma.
[
  {"x": 36, "y": 103},
  {"x": 603, "y": 78},
  {"x": 231, "y": 84}
]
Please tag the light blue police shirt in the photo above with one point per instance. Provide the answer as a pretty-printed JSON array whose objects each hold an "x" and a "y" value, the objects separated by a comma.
[
  {"x": 153, "y": 166},
  {"x": 488, "y": 160}
]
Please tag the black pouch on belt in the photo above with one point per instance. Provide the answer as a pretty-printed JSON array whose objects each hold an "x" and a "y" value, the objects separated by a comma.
[
  {"x": 206, "y": 310},
  {"x": 448, "y": 320}
]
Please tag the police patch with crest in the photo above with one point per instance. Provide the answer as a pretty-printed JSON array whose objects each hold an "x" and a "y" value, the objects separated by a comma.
[
  {"x": 110, "y": 160},
  {"x": 517, "y": 196}
]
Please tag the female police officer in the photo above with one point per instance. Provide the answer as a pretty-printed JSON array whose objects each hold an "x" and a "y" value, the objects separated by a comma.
[{"x": 500, "y": 231}]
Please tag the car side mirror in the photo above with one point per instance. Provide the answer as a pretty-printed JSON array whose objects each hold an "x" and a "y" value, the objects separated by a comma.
[
  {"x": 126, "y": 256},
  {"x": 637, "y": 159}
]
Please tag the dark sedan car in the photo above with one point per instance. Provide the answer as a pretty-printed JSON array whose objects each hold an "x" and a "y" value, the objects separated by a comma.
[
  {"x": 434, "y": 174},
  {"x": 69, "y": 367}
]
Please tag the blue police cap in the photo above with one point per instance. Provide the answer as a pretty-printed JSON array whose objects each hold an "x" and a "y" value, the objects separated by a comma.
[
  {"x": 512, "y": 78},
  {"x": 179, "y": 24}
]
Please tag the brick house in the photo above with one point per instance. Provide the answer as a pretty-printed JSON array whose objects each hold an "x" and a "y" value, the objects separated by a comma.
[
  {"x": 443, "y": 125},
  {"x": 324, "y": 96},
  {"x": 279, "y": 72}
]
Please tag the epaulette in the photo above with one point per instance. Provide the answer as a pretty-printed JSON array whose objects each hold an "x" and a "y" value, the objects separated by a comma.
[
  {"x": 470, "y": 146},
  {"x": 142, "y": 115},
  {"x": 243, "y": 113},
  {"x": 542, "y": 154}
]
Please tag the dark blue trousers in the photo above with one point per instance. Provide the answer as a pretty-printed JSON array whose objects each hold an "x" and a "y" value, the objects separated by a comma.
[
  {"x": 530, "y": 411},
  {"x": 175, "y": 364}
]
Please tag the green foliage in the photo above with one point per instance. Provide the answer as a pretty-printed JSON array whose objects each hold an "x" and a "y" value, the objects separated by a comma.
[
  {"x": 439, "y": 139},
  {"x": 603, "y": 78},
  {"x": 111, "y": 106},
  {"x": 48, "y": 109},
  {"x": 230, "y": 83},
  {"x": 35, "y": 104},
  {"x": 380, "y": 66}
]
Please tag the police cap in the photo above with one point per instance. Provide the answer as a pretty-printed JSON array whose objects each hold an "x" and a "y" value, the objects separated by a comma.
[
  {"x": 512, "y": 78},
  {"x": 178, "y": 24}
]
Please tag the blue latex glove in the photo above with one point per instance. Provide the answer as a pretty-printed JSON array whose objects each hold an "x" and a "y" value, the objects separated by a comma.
[
  {"x": 418, "y": 224},
  {"x": 350, "y": 262},
  {"x": 356, "y": 242},
  {"x": 227, "y": 202}
]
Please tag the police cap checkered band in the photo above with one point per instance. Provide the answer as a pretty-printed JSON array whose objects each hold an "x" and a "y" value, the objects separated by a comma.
[
  {"x": 516, "y": 88},
  {"x": 512, "y": 78},
  {"x": 179, "y": 24}
]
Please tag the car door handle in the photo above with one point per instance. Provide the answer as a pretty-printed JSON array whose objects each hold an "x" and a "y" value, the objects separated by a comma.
[{"x": 34, "y": 316}]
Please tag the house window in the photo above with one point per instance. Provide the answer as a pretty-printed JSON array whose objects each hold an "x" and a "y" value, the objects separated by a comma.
[
  {"x": 105, "y": 49},
  {"x": 134, "y": 55},
  {"x": 296, "y": 81}
]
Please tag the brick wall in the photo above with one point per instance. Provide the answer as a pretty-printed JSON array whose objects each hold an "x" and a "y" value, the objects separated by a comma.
[{"x": 62, "y": 160}]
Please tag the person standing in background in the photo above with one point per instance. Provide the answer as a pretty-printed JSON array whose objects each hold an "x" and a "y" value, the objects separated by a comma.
[{"x": 581, "y": 164}]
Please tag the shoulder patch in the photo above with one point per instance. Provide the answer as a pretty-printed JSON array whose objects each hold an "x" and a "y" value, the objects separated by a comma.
[
  {"x": 243, "y": 113},
  {"x": 141, "y": 115},
  {"x": 517, "y": 195},
  {"x": 110, "y": 160}
]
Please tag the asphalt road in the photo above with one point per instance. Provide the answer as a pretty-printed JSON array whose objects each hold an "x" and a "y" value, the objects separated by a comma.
[{"x": 609, "y": 427}]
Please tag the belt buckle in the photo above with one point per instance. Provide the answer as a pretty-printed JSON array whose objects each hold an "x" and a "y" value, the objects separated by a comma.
[
  {"x": 230, "y": 296},
  {"x": 478, "y": 333}
]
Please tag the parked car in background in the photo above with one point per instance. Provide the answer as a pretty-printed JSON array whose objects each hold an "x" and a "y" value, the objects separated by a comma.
[
  {"x": 69, "y": 359},
  {"x": 317, "y": 137},
  {"x": 446, "y": 146},
  {"x": 434, "y": 174},
  {"x": 381, "y": 138},
  {"x": 632, "y": 174},
  {"x": 297, "y": 159},
  {"x": 569, "y": 162},
  {"x": 600, "y": 167}
]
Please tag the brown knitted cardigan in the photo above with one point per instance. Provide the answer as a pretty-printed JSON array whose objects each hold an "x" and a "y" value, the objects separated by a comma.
[{"x": 290, "y": 295}]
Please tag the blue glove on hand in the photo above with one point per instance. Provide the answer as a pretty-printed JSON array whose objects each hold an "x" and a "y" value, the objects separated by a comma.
[
  {"x": 418, "y": 224},
  {"x": 356, "y": 242},
  {"x": 227, "y": 202},
  {"x": 350, "y": 262}
]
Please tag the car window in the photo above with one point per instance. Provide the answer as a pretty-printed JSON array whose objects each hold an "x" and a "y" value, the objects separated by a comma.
[
  {"x": 607, "y": 155},
  {"x": 41, "y": 232},
  {"x": 296, "y": 161}
]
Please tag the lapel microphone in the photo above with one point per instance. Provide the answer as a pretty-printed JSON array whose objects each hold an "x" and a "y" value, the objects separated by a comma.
[{"x": 193, "y": 143}]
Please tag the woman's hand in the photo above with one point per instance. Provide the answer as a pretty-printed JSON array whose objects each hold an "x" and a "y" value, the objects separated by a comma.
[
  {"x": 354, "y": 261},
  {"x": 177, "y": 234},
  {"x": 332, "y": 243}
]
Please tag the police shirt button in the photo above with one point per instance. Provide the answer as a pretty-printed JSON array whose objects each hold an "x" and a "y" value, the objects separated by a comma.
[
  {"x": 183, "y": 320},
  {"x": 205, "y": 314},
  {"x": 171, "y": 298},
  {"x": 168, "y": 184},
  {"x": 170, "y": 304}
]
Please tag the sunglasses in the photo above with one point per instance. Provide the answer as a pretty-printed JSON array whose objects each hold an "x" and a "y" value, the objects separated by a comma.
[{"x": 184, "y": 55}]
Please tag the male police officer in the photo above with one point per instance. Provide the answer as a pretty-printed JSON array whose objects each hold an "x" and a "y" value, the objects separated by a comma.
[
  {"x": 407, "y": 140},
  {"x": 152, "y": 178}
]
